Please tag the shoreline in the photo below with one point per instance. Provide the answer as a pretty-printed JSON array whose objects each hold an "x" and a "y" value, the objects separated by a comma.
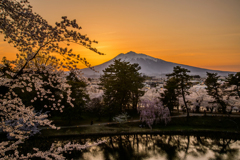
[{"x": 208, "y": 133}]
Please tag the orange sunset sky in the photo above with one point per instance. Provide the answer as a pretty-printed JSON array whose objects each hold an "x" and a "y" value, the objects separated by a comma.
[{"x": 201, "y": 33}]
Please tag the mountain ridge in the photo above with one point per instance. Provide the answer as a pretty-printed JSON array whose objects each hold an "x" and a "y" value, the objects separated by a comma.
[{"x": 150, "y": 66}]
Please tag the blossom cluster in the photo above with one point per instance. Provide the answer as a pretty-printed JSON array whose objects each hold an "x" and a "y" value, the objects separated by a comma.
[
  {"x": 55, "y": 152},
  {"x": 152, "y": 111},
  {"x": 199, "y": 97},
  {"x": 37, "y": 73}
]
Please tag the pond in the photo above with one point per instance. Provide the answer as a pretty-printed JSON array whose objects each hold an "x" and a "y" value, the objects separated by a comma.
[{"x": 149, "y": 147}]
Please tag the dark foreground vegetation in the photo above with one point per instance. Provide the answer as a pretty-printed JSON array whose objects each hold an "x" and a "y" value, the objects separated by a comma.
[{"x": 190, "y": 124}]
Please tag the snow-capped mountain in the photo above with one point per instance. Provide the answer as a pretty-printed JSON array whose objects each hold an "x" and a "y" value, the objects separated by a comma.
[{"x": 149, "y": 66}]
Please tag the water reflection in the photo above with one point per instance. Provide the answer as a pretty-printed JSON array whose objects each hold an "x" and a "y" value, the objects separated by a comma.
[
  {"x": 170, "y": 147},
  {"x": 151, "y": 147}
]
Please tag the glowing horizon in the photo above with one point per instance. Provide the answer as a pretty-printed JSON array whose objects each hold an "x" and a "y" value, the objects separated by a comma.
[{"x": 203, "y": 34}]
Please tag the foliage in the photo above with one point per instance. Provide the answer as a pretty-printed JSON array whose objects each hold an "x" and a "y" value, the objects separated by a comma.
[
  {"x": 36, "y": 73},
  {"x": 121, "y": 117},
  {"x": 94, "y": 91},
  {"x": 79, "y": 96},
  {"x": 169, "y": 97},
  {"x": 151, "y": 93},
  {"x": 183, "y": 82},
  {"x": 235, "y": 81},
  {"x": 214, "y": 89},
  {"x": 6, "y": 66},
  {"x": 96, "y": 107},
  {"x": 152, "y": 111},
  {"x": 198, "y": 97},
  {"x": 30, "y": 34},
  {"x": 121, "y": 83}
]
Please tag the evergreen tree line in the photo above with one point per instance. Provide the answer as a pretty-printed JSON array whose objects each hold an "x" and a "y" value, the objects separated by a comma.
[{"x": 178, "y": 85}]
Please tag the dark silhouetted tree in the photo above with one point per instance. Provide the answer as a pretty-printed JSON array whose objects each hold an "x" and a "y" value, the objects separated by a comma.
[
  {"x": 183, "y": 82},
  {"x": 122, "y": 84},
  {"x": 214, "y": 90},
  {"x": 169, "y": 97},
  {"x": 235, "y": 80},
  {"x": 80, "y": 99}
]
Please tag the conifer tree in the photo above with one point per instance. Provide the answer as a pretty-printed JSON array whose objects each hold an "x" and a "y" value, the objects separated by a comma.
[
  {"x": 183, "y": 82},
  {"x": 214, "y": 90},
  {"x": 80, "y": 99},
  {"x": 121, "y": 83},
  {"x": 169, "y": 97},
  {"x": 235, "y": 80}
]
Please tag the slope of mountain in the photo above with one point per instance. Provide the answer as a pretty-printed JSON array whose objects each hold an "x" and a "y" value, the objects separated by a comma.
[{"x": 149, "y": 66}]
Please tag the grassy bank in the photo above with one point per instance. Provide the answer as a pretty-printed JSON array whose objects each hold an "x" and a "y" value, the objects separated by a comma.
[
  {"x": 86, "y": 118},
  {"x": 176, "y": 124}
]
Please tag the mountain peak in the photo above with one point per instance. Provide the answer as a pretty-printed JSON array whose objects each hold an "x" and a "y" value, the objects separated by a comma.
[
  {"x": 131, "y": 53},
  {"x": 134, "y": 56},
  {"x": 150, "y": 66}
]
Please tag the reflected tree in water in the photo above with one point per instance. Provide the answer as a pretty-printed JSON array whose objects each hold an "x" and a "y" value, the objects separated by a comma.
[{"x": 148, "y": 146}]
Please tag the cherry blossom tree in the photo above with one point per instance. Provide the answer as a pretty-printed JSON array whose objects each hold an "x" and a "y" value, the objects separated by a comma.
[
  {"x": 38, "y": 72},
  {"x": 94, "y": 91},
  {"x": 96, "y": 107},
  {"x": 80, "y": 99},
  {"x": 234, "y": 80},
  {"x": 151, "y": 94},
  {"x": 232, "y": 102},
  {"x": 152, "y": 111},
  {"x": 31, "y": 34},
  {"x": 197, "y": 97}
]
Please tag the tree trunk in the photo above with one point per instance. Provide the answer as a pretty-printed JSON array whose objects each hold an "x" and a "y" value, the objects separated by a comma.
[
  {"x": 186, "y": 152},
  {"x": 223, "y": 105},
  {"x": 185, "y": 102},
  {"x": 238, "y": 91}
]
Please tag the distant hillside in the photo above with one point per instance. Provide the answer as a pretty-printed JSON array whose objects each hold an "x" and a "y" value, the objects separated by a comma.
[{"x": 150, "y": 66}]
